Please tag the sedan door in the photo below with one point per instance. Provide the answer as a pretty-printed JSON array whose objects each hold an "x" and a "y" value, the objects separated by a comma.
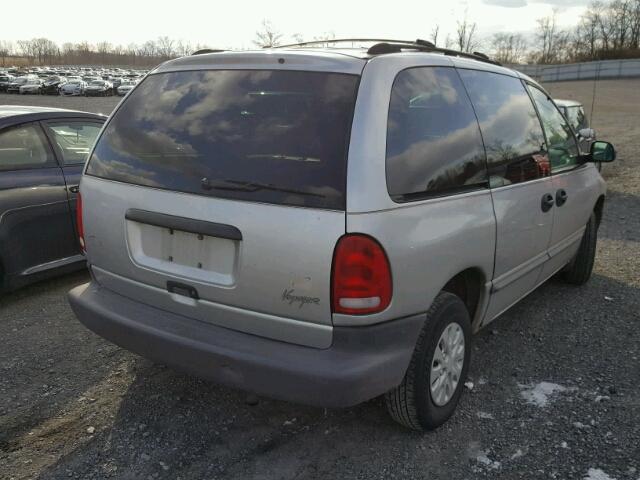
[
  {"x": 72, "y": 140},
  {"x": 34, "y": 211}
]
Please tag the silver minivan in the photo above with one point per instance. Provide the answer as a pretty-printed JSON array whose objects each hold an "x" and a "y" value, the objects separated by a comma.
[{"x": 326, "y": 225}]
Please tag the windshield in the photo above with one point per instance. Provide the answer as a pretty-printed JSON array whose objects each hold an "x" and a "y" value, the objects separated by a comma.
[
  {"x": 577, "y": 119},
  {"x": 97, "y": 83},
  {"x": 268, "y": 136}
]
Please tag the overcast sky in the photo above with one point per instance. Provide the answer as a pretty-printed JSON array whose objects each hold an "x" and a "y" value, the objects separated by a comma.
[{"x": 232, "y": 24}]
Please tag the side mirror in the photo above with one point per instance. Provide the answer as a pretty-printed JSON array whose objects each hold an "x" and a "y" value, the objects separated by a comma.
[{"x": 602, "y": 152}]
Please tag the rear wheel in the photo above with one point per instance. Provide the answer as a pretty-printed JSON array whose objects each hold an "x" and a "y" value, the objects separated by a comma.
[
  {"x": 579, "y": 270},
  {"x": 432, "y": 385}
]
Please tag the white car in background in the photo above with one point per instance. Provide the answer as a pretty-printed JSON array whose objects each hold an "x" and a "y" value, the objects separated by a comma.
[
  {"x": 75, "y": 86},
  {"x": 32, "y": 86},
  {"x": 126, "y": 86},
  {"x": 574, "y": 112}
]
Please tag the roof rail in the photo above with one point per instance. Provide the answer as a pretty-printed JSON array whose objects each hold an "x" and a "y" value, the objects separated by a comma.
[
  {"x": 352, "y": 40},
  {"x": 206, "y": 50},
  {"x": 385, "y": 47},
  {"x": 382, "y": 46}
]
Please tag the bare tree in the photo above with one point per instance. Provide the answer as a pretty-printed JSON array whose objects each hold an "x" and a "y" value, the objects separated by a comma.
[
  {"x": 325, "y": 36},
  {"x": 466, "y": 35},
  {"x": 6, "y": 49},
  {"x": 509, "y": 47},
  {"x": 586, "y": 35},
  {"x": 184, "y": 48},
  {"x": 165, "y": 47},
  {"x": 435, "y": 31},
  {"x": 548, "y": 37},
  {"x": 634, "y": 34},
  {"x": 448, "y": 41},
  {"x": 150, "y": 49},
  {"x": 268, "y": 36},
  {"x": 68, "y": 52},
  {"x": 103, "y": 50},
  {"x": 26, "y": 49}
]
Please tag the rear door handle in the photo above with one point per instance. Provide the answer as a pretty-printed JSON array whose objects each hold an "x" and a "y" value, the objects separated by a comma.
[
  {"x": 561, "y": 197},
  {"x": 74, "y": 188},
  {"x": 547, "y": 202}
]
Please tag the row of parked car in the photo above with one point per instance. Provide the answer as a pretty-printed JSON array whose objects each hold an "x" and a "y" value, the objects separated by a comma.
[{"x": 69, "y": 82}]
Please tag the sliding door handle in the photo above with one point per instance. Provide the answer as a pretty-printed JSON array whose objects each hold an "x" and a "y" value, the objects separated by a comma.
[{"x": 547, "y": 202}]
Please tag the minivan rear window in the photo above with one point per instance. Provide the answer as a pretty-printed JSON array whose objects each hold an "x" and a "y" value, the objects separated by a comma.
[{"x": 272, "y": 136}]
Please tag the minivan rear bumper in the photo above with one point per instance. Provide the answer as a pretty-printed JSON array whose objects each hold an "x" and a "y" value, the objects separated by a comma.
[{"x": 362, "y": 363}]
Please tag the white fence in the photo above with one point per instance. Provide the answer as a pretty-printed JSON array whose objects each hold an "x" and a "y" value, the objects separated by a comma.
[{"x": 582, "y": 71}]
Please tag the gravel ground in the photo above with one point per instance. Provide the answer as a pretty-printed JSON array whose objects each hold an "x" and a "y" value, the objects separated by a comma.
[{"x": 556, "y": 380}]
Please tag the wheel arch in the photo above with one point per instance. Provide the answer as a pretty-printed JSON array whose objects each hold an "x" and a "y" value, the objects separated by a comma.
[
  {"x": 598, "y": 209},
  {"x": 470, "y": 285}
]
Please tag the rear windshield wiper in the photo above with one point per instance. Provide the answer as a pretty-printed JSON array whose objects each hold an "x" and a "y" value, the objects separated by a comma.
[{"x": 242, "y": 186}]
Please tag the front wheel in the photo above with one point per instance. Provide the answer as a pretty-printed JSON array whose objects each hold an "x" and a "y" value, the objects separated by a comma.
[{"x": 433, "y": 383}]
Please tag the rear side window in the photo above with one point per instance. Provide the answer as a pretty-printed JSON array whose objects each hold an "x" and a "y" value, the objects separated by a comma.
[
  {"x": 434, "y": 146},
  {"x": 510, "y": 128},
  {"x": 23, "y": 146},
  {"x": 74, "y": 139},
  {"x": 261, "y": 135}
]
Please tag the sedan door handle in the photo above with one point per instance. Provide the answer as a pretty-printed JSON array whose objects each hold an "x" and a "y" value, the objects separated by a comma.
[
  {"x": 547, "y": 202},
  {"x": 74, "y": 188},
  {"x": 561, "y": 197}
]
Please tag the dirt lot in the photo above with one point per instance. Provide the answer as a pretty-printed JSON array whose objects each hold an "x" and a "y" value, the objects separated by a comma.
[{"x": 556, "y": 379}]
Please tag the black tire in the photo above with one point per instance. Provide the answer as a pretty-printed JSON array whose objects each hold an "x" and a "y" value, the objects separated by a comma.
[
  {"x": 579, "y": 270},
  {"x": 411, "y": 403}
]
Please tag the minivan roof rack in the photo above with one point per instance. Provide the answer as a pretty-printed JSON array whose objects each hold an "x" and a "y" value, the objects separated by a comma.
[
  {"x": 351, "y": 40},
  {"x": 382, "y": 46},
  {"x": 206, "y": 50}
]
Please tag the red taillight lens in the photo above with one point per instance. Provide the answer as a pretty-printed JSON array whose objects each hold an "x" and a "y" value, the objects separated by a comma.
[
  {"x": 361, "y": 277},
  {"x": 79, "y": 224}
]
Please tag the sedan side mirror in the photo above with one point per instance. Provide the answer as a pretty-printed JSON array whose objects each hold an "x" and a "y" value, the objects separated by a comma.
[{"x": 602, "y": 152}]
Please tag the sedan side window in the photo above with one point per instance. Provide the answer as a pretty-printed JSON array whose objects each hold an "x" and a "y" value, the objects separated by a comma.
[
  {"x": 23, "y": 147},
  {"x": 74, "y": 140},
  {"x": 563, "y": 149}
]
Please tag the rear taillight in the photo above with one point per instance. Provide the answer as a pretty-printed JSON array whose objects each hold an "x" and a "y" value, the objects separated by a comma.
[
  {"x": 79, "y": 224},
  {"x": 361, "y": 276}
]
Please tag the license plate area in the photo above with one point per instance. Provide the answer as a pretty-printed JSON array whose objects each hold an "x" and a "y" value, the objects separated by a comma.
[{"x": 189, "y": 255}]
